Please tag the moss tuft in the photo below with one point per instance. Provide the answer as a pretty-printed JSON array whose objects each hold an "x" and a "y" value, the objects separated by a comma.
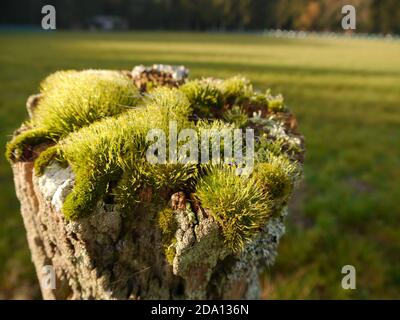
[
  {"x": 203, "y": 95},
  {"x": 168, "y": 226},
  {"x": 236, "y": 89},
  {"x": 126, "y": 192},
  {"x": 280, "y": 161},
  {"x": 167, "y": 223},
  {"x": 259, "y": 98},
  {"x": 163, "y": 105},
  {"x": 237, "y": 203},
  {"x": 276, "y": 103},
  {"x": 170, "y": 252},
  {"x": 174, "y": 176},
  {"x": 44, "y": 159},
  {"x": 237, "y": 116},
  {"x": 73, "y": 99},
  {"x": 273, "y": 180},
  {"x": 15, "y": 148},
  {"x": 87, "y": 191}
]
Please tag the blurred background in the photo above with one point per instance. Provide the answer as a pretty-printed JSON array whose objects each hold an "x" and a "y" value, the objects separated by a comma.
[{"x": 343, "y": 86}]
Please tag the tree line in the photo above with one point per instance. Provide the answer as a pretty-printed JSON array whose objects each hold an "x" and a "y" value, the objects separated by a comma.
[{"x": 375, "y": 16}]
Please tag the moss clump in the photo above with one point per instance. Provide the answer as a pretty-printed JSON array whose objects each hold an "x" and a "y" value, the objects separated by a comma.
[
  {"x": 95, "y": 153},
  {"x": 44, "y": 159},
  {"x": 167, "y": 223},
  {"x": 168, "y": 226},
  {"x": 273, "y": 179},
  {"x": 170, "y": 252},
  {"x": 275, "y": 103},
  {"x": 82, "y": 200},
  {"x": 96, "y": 122},
  {"x": 116, "y": 147},
  {"x": 163, "y": 179},
  {"x": 126, "y": 192},
  {"x": 23, "y": 142},
  {"x": 163, "y": 105},
  {"x": 239, "y": 91},
  {"x": 174, "y": 176},
  {"x": 204, "y": 96},
  {"x": 236, "y": 89},
  {"x": 259, "y": 98},
  {"x": 237, "y": 203},
  {"x": 237, "y": 116},
  {"x": 277, "y": 175},
  {"x": 74, "y": 99}
]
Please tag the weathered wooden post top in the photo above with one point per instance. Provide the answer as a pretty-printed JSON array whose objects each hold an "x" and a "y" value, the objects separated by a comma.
[{"x": 144, "y": 184}]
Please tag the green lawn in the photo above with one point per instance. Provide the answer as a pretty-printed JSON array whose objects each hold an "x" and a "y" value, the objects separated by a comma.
[{"x": 346, "y": 95}]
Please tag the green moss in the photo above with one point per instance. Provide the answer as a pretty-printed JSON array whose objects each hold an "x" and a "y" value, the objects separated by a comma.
[
  {"x": 89, "y": 116},
  {"x": 277, "y": 176},
  {"x": 163, "y": 179},
  {"x": 259, "y": 98},
  {"x": 203, "y": 95},
  {"x": 126, "y": 192},
  {"x": 168, "y": 226},
  {"x": 170, "y": 252},
  {"x": 276, "y": 103},
  {"x": 237, "y": 116},
  {"x": 118, "y": 145},
  {"x": 273, "y": 179},
  {"x": 266, "y": 146},
  {"x": 236, "y": 89},
  {"x": 205, "y": 127},
  {"x": 174, "y": 176},
  {"x": 281, "y": 162},
  {"x": 15, "y": 148},
  {"x": 44, "y": 159},
  {"x": 167, "y": 223},
  {"x": 164, "y": 105},
  {"x": 237, "y": 203},
  {"x": 73, "y": 99},
  {"x": 95, "y": 154},
  {"x": 87, "y": 191},
  {"x": 277, "y": 145}
]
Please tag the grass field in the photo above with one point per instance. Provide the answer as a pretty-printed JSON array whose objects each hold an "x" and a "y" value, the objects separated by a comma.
[{"x": 346, "y": 95}]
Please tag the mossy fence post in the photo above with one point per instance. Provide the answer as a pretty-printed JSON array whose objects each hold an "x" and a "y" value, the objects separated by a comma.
[{"x": 174, "y": 248}]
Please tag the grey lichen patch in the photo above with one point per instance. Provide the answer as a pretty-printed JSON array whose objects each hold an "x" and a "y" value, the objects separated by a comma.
[
  {"x": 198, "y": 249},
  {"x": 278, "y": 134},
  {"x": 107, "y": 222},
  {"x": 262, "y": 251},
  {"x": 241, "y": 273},
  {"x": 55, "y": 184},
  {"x": 150, "y": 77}
]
